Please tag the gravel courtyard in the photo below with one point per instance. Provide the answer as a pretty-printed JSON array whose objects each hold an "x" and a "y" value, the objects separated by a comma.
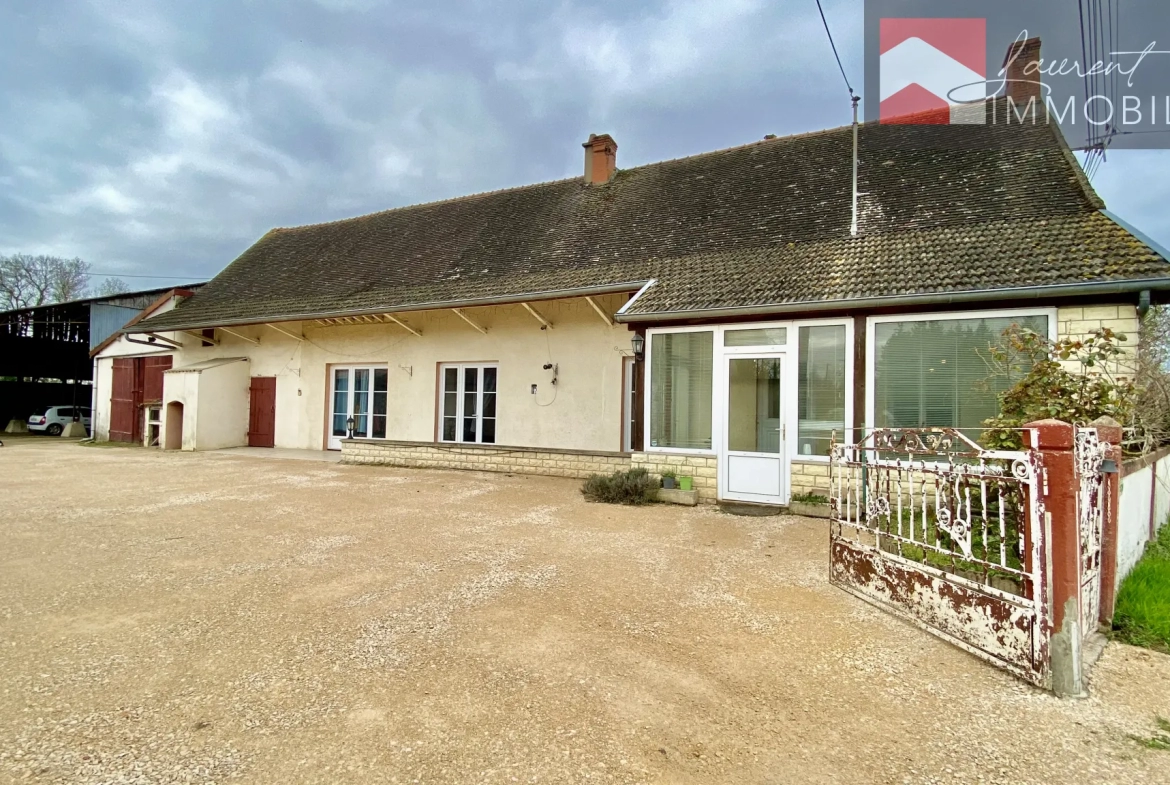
[{"x": 175, "y": 618}]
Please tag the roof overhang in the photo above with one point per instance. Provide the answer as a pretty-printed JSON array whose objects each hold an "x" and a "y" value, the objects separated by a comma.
[
  {"x": 506, "y": 299},
  {"x": 143, "y": 314},
  {"x": 1094, "y": 288}
]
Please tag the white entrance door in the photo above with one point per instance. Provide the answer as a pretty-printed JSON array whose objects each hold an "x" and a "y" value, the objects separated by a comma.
[
  {"x": 358, "y": 392},
  {"x": 754, "y": 459}
]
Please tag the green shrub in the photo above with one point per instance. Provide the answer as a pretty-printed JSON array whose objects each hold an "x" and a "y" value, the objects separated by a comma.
[
  {"x": 1039, "y": 385},
  {"x": 809, "y": 498},
  {"x": 635, "y": 486}
]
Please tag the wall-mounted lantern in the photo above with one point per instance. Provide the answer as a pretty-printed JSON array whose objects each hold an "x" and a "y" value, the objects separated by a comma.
[{"x": 639, "y": 344}]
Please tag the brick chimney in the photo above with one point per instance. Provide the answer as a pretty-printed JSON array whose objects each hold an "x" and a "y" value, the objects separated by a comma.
[
  {"x": 600, "y": 158},
  {"x": 1023, "y": 82}
]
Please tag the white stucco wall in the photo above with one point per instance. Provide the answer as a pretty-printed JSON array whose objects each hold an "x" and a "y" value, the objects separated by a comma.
[
  {"x": 1133, "y": 525},
  {"x": 583, "y": 410},
  {"x": 215, "y": 405}
]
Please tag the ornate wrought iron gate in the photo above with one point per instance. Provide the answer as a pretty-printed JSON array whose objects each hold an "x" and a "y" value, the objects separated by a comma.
[
  {"x": 1089, "y": 453},
  {"x": 930, "y": 526}
]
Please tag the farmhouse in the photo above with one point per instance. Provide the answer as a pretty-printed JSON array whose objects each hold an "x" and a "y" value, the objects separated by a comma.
[{"x": 717, "y": 315}]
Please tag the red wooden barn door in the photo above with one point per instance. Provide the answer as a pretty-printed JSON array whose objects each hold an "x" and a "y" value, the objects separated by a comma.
[
  {"x": 152, "y": 378},
  {"x": 262, "y": 412},
  {"x": 125, "y": 397}
]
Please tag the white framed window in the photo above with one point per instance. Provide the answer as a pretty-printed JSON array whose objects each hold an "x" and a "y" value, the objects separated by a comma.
[
  {"x": 467, "y": 402},
  {"x": 926, "y": 370},
  {"x": 629, "y": 397},
  {"x": 824, "y": 388},
  {"x": 679, "y": 407}
]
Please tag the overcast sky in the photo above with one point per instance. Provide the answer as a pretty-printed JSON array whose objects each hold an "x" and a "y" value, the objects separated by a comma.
[{"x": 165, "y": 136}]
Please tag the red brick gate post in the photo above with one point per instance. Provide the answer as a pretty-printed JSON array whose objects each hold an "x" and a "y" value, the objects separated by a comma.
[{"x": 1060, "y": 567}]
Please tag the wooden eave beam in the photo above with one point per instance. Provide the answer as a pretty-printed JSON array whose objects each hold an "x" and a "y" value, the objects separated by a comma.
[
  {"x": 402, "y": 324},
  {"x": 292, "y": 335},
  {"x": 458, "y": 312},
  {"x": 537, "y": 316},
  {"x": 241, "y": 336},
  {"x": 604, "y": 316},
  {"x": 202, "y": 337}
]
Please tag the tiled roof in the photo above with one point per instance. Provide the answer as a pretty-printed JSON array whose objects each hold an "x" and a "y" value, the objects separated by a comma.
[
  {"x": 765, "y": 222},
  {"x": 980, "y": 257}
]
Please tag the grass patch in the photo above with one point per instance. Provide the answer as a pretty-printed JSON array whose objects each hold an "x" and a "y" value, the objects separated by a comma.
[
  {"x": 1158, "y": 741},
  {"x": 635, "y": 486},
  {"x": 1142, "y": 616}
]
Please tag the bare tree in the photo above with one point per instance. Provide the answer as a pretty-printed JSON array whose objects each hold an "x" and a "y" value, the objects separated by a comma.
[
  {"x": 28, "y": 281},
  {"x": 111, "y": 287}
]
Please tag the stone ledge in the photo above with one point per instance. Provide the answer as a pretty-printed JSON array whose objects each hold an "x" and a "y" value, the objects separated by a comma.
[
  {"x": 479, "y": 449},
  {"x": 676, "y": 496}
]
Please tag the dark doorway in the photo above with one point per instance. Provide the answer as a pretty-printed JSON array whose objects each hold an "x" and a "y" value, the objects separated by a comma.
[
  {"x": 262, "y": 412},
  {"x": 173, "y": 439}
]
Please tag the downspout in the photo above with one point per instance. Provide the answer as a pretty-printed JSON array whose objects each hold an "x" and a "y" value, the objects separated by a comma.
[{"x": 153, "y": 341}]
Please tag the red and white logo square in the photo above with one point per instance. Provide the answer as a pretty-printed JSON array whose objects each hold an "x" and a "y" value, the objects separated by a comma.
[{"x": 933, "y": 71}]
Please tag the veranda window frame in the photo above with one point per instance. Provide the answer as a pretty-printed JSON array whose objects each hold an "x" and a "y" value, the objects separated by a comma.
[
  {"x": 789, "y": 391},
  {"x": 872, "y": 322}
]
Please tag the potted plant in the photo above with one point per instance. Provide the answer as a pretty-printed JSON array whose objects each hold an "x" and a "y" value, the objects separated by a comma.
[
  {"x": 668, "y": 480},
  {"x": 686, "y": 483}
]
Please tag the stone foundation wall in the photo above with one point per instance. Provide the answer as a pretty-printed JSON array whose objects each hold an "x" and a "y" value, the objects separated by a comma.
[
  {"x": 702, "y": 468},
  {"x": 810, "y": 477},
  {"x": 484, "y": 458}
]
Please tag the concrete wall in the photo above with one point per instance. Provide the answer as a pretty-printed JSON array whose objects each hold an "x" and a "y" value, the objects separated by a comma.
[
  {"x": 223, "y": 407},
  {"x": 182, "y": 387},
  {"x": 1144, "y": 481},
  {"x": 215, "y": 405},
  {"x": 582, "y": 411}
]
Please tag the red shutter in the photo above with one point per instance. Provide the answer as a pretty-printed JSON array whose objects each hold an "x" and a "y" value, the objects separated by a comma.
[
  {"x": 262, "y": 412},
  {"x": 152, "y": 384},
  {"x": 123, "y": 400}
]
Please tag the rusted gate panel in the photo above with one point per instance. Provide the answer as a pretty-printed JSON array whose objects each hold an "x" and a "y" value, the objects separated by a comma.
[
  {"x": 125, "y": 399},
  {"x": 931, "y": 527},
  {"x": 993, "y": 627},
  {"x": 1089, "y": 454}
]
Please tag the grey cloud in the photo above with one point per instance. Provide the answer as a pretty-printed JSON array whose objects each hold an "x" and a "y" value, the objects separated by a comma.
[{"x": 164, "y": 138}]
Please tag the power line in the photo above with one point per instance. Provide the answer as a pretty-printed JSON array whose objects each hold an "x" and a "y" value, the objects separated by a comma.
[
  {"x": 825, "y": 22},
  {"x": 191, "y": 278}
]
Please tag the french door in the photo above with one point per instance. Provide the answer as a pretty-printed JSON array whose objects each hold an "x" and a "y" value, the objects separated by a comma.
[
  {"x": 468, "y": 404},
  {"x": 357, "y": 391},
  {"x": 754, "y": 457}
]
